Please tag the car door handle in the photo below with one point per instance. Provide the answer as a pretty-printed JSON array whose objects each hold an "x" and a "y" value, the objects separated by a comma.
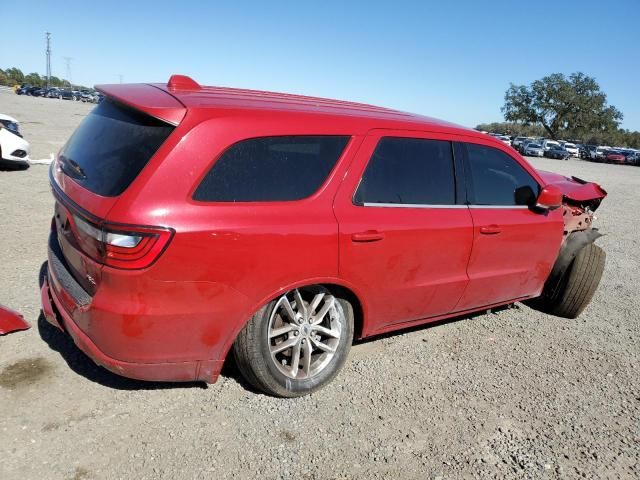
[
  {"x": 368, "y": 236},
  {"x": 490, "y": 230}
]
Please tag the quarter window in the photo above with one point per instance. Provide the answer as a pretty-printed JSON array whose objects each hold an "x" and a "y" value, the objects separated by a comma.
[
  {"x": 270, "y": 169},
  {"x": 408, "y": 171},
  {"x": 497, "y": 179}
]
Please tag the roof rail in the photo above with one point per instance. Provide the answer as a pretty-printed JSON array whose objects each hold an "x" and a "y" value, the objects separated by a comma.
[{"x": 182, "y": 82}]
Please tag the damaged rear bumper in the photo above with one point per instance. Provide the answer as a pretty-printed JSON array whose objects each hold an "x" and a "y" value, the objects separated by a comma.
[{"x": 56, "y": 315}]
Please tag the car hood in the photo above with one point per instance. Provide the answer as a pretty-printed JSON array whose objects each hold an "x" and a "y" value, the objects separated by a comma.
[{"x": 575, "y": 189}]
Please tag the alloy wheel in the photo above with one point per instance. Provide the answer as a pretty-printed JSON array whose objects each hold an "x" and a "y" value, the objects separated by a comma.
[{"x": 304, "y": 332}]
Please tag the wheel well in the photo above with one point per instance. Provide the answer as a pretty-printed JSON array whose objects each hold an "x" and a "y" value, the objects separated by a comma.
[{"x": 346, "y": 294}]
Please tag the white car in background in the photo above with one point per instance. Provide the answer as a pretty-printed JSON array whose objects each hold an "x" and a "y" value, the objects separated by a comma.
[
  {"x": 13, "y": 148},
  {"x": 549, "y": 144},
  {"x": 572, "y": 149},
  {"x": 504, "y": 139},
  {"x": 533, "y": 149}
]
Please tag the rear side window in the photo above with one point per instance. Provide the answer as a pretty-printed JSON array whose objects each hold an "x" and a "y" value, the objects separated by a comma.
[
  {"x": 409, "y": 171},
  {"x": 497, "y": 179},
  {"x": 111, "y": 146},
  {"x": 270, "y": 169}
]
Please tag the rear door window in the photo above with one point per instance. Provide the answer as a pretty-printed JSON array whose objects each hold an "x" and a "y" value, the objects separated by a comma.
[
  {"x": 111, "y": 146},
  {"x": 270, "y": 169},
  {"x": 496, "y": 179},
  {"x": 408, "y": 171}
]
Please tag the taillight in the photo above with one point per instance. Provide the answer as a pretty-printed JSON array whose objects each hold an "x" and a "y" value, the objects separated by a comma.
[{"x": 128, "y": 247}]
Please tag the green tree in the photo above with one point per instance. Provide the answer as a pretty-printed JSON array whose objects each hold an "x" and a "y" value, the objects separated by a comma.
[
  {"x": 572, "y": 106},
  {"x": 33, "y": 79},
  {"x": 55, "y": 81},
  {"x": 15, "y": 75}
]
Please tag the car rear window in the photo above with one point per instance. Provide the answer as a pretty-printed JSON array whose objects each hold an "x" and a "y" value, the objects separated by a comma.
[
  {"x": 270, "y": 169},
  {"x": 111, "y": 146}
]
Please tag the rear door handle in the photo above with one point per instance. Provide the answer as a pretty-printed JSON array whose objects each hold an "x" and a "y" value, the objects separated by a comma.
[
  {"x": 490, "y": 230},
  {"x": 368, "y": 236}
]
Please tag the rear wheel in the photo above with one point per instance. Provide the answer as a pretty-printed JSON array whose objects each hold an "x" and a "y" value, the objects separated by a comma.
[
  {"x": 297, "y": 343},
  {"x": 578, "y": 285}
]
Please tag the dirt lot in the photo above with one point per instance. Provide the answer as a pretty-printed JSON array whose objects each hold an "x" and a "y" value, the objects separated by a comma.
[{"x": 515, "y": 394}]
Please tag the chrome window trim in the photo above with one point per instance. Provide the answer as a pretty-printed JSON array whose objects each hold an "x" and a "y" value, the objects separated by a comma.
[
  {"x": 504, "y": 207},
  {"x": 418, "y": 205},
  {"x": 409, "y": 205}
]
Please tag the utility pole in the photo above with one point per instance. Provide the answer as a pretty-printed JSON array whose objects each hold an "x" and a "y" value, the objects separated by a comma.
[
  {"x": 67, "y": 60},
  {"x": 120, "y": 78},
  {"x": 48, "y": 51}
]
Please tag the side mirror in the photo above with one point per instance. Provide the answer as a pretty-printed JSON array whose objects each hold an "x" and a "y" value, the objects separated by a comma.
[{"x": 550, "y": 198}]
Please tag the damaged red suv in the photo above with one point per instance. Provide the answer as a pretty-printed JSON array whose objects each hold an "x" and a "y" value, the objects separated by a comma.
[{"x": 191, "y": 221}]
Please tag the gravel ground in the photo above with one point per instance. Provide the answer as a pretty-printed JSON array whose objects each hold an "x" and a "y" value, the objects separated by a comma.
[{"x": 513, "y": 394}]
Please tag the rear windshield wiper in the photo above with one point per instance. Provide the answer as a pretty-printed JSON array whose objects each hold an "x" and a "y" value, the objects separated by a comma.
[{"x": 72, "y": 168}]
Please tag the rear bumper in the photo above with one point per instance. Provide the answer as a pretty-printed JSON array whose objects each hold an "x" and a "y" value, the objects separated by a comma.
[{"x": 56, "y": 315}]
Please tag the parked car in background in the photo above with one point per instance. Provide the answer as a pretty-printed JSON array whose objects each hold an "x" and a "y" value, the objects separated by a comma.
[
  {"x": 614, "y": 156},
  {"x": 39, "y": 92},
  {"x": 585, "y": 151},
  {"x": 547, "y": 144},
  {"x": 297, "y": 229},
  {"x": 517, "y": 141},
  {"x": 598, "y": 154},
  {"x": 633, "y": 158},
  {"x": 504, "y": 139},
  {"x": 525, "y": 142},
  {"x": 533, "y": 149},
  {"x": 22, "y": 90},
  {"x": 65, "y": 94},
  {"x": 14, "y": 150},
  {"x": 87, "y": 96},
  {"x": 29, "y": 91},
  {"x": 556, "y": 151},
  {"x": 572, "y": 149}
]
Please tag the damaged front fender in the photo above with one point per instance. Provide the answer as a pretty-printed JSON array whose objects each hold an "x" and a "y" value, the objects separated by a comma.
[{"x": 575, "y": 190}]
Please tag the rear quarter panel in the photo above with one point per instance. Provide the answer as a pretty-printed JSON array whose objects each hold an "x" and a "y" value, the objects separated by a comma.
[{"x": 231, "y": 258}]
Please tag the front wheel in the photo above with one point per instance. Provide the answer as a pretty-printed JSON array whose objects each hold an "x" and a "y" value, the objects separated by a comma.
[
  {"x": 577, "y": 287},
  {"x": 297, "y": 343}
]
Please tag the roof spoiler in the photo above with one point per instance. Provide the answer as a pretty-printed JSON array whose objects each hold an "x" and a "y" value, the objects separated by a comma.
[{"x": 147, "y": 98}]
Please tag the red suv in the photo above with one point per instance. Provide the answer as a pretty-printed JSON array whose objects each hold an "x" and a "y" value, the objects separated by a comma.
[{"x": 193, "y": 220}]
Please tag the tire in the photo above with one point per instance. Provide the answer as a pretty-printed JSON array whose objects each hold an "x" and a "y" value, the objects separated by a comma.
[
  {"x": 578, "y": 285},
  {"x": 267, "y": 369}
]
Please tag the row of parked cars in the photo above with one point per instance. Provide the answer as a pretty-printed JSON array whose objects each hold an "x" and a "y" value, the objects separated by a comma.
[
  {"x": 90, "y": 96},
  {"x": 563, "y": 150}
]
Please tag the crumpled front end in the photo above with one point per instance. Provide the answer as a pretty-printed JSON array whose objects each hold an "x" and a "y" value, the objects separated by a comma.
[{"x": 581, "y": 199}]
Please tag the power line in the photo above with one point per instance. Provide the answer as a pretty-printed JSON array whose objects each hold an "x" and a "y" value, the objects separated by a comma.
[{"x": 48, "y": 52}]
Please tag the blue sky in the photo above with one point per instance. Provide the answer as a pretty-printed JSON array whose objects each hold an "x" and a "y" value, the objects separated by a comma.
[{"x": 452, "y": 60}]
